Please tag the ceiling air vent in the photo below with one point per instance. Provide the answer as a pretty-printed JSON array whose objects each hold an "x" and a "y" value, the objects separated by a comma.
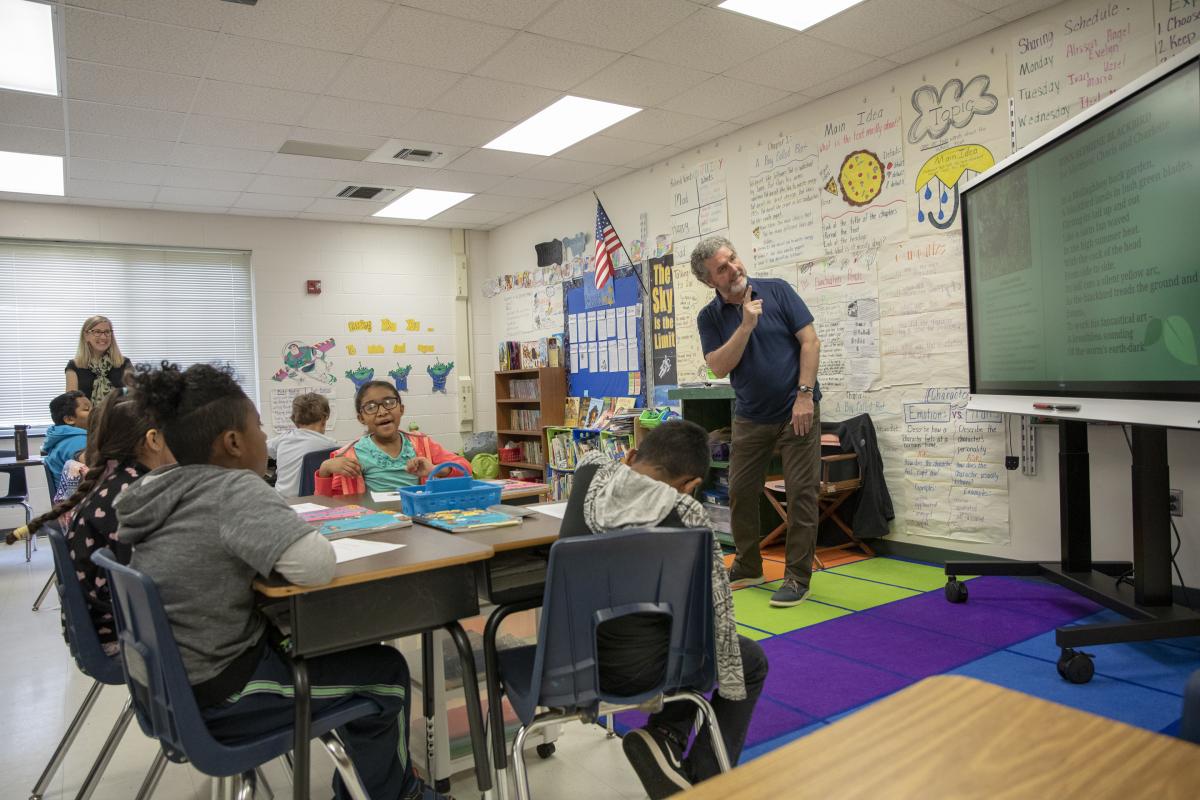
[
  {"x": 243, "y": 2},
  {"x": 427, "y": 155},
  {"x": 361, "y": 192},
  {"x": 418, "y": 155}
]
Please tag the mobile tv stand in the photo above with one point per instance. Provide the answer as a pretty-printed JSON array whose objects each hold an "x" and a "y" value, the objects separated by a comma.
[{"x": 1148, "y": 604}]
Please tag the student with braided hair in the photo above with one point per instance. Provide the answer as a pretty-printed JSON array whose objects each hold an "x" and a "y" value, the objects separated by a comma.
[{"x": 122, "y": 447}]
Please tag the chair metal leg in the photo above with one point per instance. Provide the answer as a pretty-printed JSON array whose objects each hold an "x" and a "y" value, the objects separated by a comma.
[
  {"x": 286, "y": 763},
  {"x": 710, "y": 719},
  {"x": 37, "y": 604},
  {"x": 106, "y": 753},
  {"x": 244, "y": 785},
  {"x": 540, "y": 721},
  {"x": 267, "y": 792},
  {"x": 345, "y": 767},
  {"x": 153, "y": 777},
  {"x": 68, "y": 738}
]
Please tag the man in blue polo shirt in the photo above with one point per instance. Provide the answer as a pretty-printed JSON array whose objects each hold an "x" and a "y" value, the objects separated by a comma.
[{"x": 762, "y": 337}]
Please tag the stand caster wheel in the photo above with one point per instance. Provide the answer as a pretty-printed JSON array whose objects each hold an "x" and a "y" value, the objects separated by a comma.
[
  {"x": 545, "y": 750},
  {"x": 1076, "y": 666},
  {"x": 442, "y": 786},
  {"x": 956, "y": 591}
]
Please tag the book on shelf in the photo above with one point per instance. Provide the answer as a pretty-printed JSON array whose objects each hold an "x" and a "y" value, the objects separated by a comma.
[
  {"x": 471, "y": 519},
  {"x": 589, "y": 418},
  {"x": 606, "y": 412},
  {"x": 525, "y": 420},
  {"x": 571, "y": 412},
  {"x": 509, "y": 486}
]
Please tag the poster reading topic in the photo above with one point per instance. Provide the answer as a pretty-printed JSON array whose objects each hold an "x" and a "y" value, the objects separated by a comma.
[
  {"x": 662, "y": 321},
  {"x": 862, "y": 175},
  {"x": 785, "y": 202},
  {"x": 1069, "y": 58}
]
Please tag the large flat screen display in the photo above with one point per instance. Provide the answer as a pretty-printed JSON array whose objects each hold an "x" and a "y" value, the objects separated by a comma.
[{"x": 1083, "y": 262}]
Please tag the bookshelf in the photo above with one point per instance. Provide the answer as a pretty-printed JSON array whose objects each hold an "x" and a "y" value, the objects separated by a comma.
[
  {"x": 526, "y": 401},
  {"x": 565, "y": 446}
]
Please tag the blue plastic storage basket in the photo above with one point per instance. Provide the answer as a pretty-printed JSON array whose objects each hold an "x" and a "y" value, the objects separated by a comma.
[{"x": 447, "y": 494}]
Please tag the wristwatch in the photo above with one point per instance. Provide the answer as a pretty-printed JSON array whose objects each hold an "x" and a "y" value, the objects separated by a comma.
[{"x": 804, "y": 388}]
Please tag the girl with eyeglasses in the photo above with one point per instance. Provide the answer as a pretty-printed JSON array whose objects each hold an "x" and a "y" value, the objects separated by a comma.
[
  {"x": 98, "y": 366},
  {"x": 387, "y": 457}
]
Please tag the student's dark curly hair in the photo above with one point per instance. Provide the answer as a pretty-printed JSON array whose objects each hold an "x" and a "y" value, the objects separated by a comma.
[
  {"x": 678, "y": 447},
  {"x": 114, "y": 434},
  {"x": 193, "y": 406},
  {"x": 64, "y": 405},
  {"x": 369, "y": 385}
]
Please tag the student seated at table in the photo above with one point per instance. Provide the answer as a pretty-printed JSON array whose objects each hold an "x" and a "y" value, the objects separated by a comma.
[
  {"x": 387, "y": 457},
  {"x": 310, "y": 414},
  {"x": 67, "y": 437},
  {"x": 653, "y": 486},
  {"x": 122, "y": 447},
  {"x": 203, "y": 531}
]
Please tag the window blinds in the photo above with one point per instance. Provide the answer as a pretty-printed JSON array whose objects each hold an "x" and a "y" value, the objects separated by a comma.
[{"x": 182, "y": 305}]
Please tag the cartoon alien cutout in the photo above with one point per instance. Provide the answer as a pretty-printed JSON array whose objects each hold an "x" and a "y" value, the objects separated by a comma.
[
  {"x": 306, "y": 361},
  {"x": 360, "y": 376},
  {"x": 439, "y": 373},
  {"x": 399, "y": 375}
]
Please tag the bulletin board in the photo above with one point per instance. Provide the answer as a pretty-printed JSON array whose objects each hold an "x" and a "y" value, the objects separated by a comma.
[{"x": 605, "y": 337}]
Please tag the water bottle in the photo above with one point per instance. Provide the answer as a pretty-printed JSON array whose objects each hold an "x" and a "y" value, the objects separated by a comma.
[{"x": 21, "y": 441}]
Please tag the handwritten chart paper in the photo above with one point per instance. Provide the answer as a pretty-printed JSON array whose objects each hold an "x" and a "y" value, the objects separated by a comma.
[
  {"x": 785, "y": 202},
  {"x": 843, "y": 296}
]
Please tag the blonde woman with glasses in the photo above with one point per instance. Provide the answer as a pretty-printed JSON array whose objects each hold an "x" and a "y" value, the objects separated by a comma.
[{"x": 98, "y": 366}]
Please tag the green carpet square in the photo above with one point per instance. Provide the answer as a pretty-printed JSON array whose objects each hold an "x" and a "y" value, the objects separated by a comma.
[
  {"x": 844, "y": 592},
  {"x": 918, "y": 577},
  {"x": 751, "y": 606},
  {"x": 751, "y": 633}
]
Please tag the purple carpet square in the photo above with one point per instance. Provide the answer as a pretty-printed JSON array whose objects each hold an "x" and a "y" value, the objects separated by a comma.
[
  {"x": 820, "y": 683},
  {"x": 915, "y": 652},
  {"x": 1039, "y": 598},
  {"x": 981, "y": 622}
]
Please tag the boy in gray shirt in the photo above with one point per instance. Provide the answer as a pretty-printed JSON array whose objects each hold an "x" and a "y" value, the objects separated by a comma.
[{"x": 203, "y": 530}]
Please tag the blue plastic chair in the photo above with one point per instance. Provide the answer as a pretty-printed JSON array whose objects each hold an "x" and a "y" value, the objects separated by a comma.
[
  {"x": 594, "y": 579},
  {"x": 1189, "y": 725},
  {"x": 309, "y": 464},
  {"x": 18, "y": 495},
  {"x": 166, "y": 708},
  {"x": 92, "y": 661}
]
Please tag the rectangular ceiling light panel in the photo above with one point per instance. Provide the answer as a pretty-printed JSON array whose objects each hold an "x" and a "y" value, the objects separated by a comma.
[
  {"x": 789, "y": 13},
  {"x": 30, "y": 174},
  {"x": 421, "y": 204},
  {"x": 27, "y": 62},
  {"x": 561, "y": 125}
]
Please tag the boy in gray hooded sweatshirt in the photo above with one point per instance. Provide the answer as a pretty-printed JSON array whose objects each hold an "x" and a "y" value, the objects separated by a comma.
[{"x": 203, "y": 530}]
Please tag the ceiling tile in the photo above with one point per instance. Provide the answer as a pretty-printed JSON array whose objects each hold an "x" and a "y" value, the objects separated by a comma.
[
  {"x": 659, "y": 155},
  {"x": 724, "y": 98},
  {"x": 550, "y": 63},
  {"x": 105, "y": 203},
  {"x": 194, "y": 197},
  {"x": 441, "y": 128},
  {"x": 357, "y": 116},
  {"x": 261, "y": 212},
  {"x": 503, "y": 203},
  {"x": 560, "y": 169},
  {"x": 187, "y": 13},
  {"x": 798, "y": 63},
  {"x": 389, "y": 82},
  {"x": 494, "y": 162},
  {"x": 119, "y": 148},
  {"x": 127, "y": 42},
  {"x": 305, "y": 187},
  {"x": 495, "y": 99},
  {"x": 195, "y": 155},
  {"x": 103, "y": 190},
  {"x": 33, "y": 110},
  {"x": 885, "y": 26},
  {"x": 272, "y": 202},
  {"x": 338, "y": 138},
  {"x": 434, "y": 40},
  {"x": 192, "y": 178},
  {"x": 306, "y": 167},
  {"x": 470, "y": 216},
  {"x": 280, "y": 66},
  {"x": 622, "y": 24},
  {"x": 851, "y": 77},
  {"x": 607, "y": 150},
  {"x": 39, "y": 141},
  {"x": 989, "y": 6},
  {"x": 524, "y": 187},
  {"x": 716, "y": 40},
  {"x": 373, "y": 174},
  {"x": 637, "y": 81},
  {"x": 512, "y": 14},
  {"x": 1023, "y": 8},
  {"x": 659, "y": 127},
  {"x": 93, "y": 169},
  {"x": 240, "y": 101},
  {"x": 141, "y": 88},
  {"x": 123, "y": 121},
  {"x": 239, "y": 133},
  {"x": 451, "y": 181},
  {"x": 945, "y": 40},
  {"x": 344, "y": 207},
  {"x": 789, "y": 103},
  {"x": 340, "y": 26},
  {"x": 189, "y": 208},
  {"x": 568, "y": 190},
  {"x": 611, "y": 175},
  {"x": 704, "y": 137}
]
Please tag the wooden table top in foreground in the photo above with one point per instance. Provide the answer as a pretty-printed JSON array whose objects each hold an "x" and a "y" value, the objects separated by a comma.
[{"x": 955, "y": 737}]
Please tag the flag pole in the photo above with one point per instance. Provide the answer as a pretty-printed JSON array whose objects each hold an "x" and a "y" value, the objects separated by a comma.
[{"x": 623, "y": 250}]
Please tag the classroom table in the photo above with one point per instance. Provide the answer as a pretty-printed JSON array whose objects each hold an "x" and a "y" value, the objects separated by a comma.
[
  {"x": 952, "y": 736},
  {"x": 427, "y": 584},
  {"x": 11, "y": 461}
]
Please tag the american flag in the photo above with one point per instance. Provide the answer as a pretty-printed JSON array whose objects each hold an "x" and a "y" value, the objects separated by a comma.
[{"x": 607, "y": 247}]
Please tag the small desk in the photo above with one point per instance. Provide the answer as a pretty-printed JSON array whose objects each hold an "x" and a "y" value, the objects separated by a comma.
[
  {"x": 11, "y": 461},
  {"x": 427, "y": 584},
  {"x": 950, "y": 736}
]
